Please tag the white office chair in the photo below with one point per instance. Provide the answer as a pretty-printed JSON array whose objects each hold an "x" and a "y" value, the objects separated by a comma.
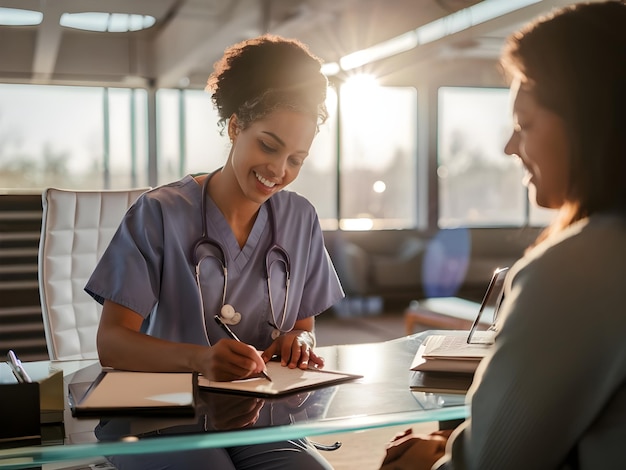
[{"x": 76, "y": 228}]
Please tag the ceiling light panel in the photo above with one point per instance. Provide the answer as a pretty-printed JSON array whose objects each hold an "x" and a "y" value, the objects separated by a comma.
[
  {"x": 106, "y": 22},
  {"x": 19, "y": 17}
]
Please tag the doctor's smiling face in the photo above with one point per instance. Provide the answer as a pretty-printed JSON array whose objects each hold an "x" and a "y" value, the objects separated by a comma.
[
  {"x": 540, "y": 141},
  {"x": 268, "y": 153}
]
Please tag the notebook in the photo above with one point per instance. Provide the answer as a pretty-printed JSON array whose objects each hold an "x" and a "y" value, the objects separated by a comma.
[
  {"x": 125, "y": 393},
  {"x": 284, "y": 381},
  {"x": 449, "y": 353}
]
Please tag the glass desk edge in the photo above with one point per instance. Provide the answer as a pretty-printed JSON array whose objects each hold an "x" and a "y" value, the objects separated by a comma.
[
  {"x": 36, "y": 455},
  {"x": 22, "y": 457}
]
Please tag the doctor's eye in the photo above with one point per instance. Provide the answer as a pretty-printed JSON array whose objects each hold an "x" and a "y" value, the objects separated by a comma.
[
  {"x": 296, "y": 161},
  {"x": 266, "y": 147}
]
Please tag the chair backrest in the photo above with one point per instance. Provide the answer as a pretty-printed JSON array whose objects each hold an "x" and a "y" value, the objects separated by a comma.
[{"x": 76, "y": 228}]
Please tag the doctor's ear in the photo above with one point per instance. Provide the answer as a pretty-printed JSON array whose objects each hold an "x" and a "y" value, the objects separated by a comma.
[{"x": 233, "y": 127}]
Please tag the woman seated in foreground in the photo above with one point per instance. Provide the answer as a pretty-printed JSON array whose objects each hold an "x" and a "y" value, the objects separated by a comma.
[{"x": 552, "y": 394}]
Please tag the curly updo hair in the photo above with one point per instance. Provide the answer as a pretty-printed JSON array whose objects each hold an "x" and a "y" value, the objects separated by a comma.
[{"x": 257, "y": 76}]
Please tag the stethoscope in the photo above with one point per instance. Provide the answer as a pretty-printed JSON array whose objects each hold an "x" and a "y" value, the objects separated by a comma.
[{"x": 227, "y": 313}]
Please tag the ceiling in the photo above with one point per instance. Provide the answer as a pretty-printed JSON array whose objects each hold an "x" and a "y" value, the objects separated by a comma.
[{"x": 190, "y": 35}]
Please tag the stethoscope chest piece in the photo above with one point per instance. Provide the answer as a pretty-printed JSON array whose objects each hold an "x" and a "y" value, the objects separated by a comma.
[{"x": 229, "y": 315}]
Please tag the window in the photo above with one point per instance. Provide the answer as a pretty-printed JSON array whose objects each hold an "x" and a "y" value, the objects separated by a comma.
[
  {"x": 479, "y": 185},
  {"x": 320, "y": 169},
  {"x": 378, "y": 157},
  {"x": 127, "y": 137},
  {"x": 56, "y": 136},
  {"x": 205, "y": 149},
  {"x": 93, "y": 137},
  {"x": 168, "y": 136},
  {"x": 50, "y": 136}
]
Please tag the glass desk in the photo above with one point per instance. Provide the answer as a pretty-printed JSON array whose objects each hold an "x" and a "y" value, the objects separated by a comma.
[{"x": 381, "y": 398}]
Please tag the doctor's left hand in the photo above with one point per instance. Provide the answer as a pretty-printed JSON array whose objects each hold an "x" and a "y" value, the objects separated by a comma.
[{"x": 295, "y": 349}]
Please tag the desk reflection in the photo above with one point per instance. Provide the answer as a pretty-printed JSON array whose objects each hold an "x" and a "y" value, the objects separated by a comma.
[{"x": 223, "y": 412}]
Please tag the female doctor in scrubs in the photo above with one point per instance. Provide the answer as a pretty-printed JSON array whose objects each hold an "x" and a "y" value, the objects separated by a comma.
[{"x": 230, "y": 244}]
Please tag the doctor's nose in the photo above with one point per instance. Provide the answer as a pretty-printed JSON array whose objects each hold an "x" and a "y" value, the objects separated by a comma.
[{"x": 278, "y": 167}]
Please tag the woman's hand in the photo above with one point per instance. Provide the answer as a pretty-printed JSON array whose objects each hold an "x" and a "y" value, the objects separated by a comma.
[
  {"x": 121, "y": 345},
  {"x": 229, "y": 359},
  {"x": 415, "y": 451},
  {"x": 295, "y": 348}
]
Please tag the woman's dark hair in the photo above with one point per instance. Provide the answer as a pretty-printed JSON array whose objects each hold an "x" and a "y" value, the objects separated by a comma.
[
  {"x": 574, "y": 61},
  {"x": 257, "y": 76}
]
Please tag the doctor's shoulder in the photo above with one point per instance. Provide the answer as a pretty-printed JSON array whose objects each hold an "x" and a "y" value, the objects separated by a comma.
[
  {"x": 292, "y": 208},
  {"x": 176, "y": 194},
  {"x": 172, "y": 200}
]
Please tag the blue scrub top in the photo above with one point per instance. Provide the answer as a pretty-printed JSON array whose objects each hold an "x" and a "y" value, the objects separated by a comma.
[{"x": 149, "y": 267}]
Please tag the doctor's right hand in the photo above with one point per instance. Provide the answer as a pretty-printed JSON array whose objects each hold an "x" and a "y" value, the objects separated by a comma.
[
  {"x": 225, "y": 412},
  {"x": 229, "y": 359}
]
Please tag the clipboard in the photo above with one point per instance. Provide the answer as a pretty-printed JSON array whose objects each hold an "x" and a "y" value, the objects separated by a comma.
[
  {"x": 125, "y": 393},
  {"x": 284, "y": 381}
]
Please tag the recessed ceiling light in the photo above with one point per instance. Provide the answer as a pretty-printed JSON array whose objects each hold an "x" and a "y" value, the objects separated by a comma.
[
  {"x": 19, "y": 17},
  {"x": 106, "y": 22}
]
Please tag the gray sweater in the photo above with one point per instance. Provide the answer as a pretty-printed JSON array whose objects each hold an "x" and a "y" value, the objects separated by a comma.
[{"x": 553, "y": 393}]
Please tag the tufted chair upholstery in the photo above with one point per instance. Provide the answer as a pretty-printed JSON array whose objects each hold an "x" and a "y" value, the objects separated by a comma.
[{"x": 76, "y": 228}]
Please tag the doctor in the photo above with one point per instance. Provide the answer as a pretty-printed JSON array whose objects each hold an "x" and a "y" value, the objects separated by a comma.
[{"x": 231, "y": 243}]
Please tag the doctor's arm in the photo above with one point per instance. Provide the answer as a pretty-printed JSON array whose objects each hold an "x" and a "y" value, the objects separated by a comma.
[{"x": 122, "y": 345}]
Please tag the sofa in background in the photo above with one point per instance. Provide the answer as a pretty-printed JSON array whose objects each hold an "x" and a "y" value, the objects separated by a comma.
[{"x": 390, "y": 268}]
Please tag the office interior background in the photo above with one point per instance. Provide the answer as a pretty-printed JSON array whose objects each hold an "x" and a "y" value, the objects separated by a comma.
[{"x": 106, "y": 95}]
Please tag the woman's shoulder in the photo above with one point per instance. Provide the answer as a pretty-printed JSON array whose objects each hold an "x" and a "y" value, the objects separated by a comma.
[
  {"x": 175, "y": 194},
  {"x": 595, "y": 244},
  {"x": 290, "y": 203},
  {"x": 601, "y": 232}
]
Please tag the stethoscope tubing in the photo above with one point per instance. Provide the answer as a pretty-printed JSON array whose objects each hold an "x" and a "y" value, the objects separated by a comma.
[{"x": 274, "y": 247}]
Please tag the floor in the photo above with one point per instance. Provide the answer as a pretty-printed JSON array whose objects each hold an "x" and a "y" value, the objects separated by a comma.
[
  {"x": 331, "y": 329},
  {"x": 363, "y": 450}
]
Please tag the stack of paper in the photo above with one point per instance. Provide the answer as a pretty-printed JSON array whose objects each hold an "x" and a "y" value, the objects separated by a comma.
[
  {"x": 446, "y": 364},
  {"x": 449, "y": 353}
]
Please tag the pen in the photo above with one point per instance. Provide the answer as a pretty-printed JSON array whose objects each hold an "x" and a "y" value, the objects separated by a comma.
[
  {"x": 232, "y": 335},
  {"x": 18, "y": 370}
]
